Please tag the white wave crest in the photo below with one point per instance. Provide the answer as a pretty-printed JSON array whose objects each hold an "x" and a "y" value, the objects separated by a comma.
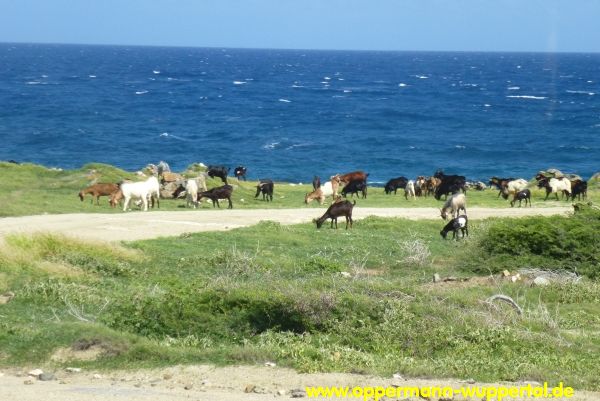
[
  {"x": 528, "y": 97},
  {"x": 582, "y": 92},
  {"x": 156, "y": 71},
  {"x": 239, "y": 82},
  {"x": 285, "y": 100},
  {"x": 140, "y": 92},
  {"x": 402, "y": 84},
  {"x": 92, "y": 76},
  {"x": 513, "y": 88},
  {"x": 271, "y": 145}
]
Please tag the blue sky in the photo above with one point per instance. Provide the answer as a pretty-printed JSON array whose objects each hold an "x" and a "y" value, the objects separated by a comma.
[{"x": 464, "y": 25}]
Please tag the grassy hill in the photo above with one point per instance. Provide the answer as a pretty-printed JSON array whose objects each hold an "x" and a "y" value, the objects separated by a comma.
[{"x": 28, "y": 189}]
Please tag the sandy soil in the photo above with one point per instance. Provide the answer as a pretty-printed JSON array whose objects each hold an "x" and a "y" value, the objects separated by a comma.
[
  {"x": 143, "y": 225},
  {"x": 205, "y": 383}
]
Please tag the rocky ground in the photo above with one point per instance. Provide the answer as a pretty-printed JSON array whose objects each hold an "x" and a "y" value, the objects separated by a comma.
[{"x": 205, "y": 383}]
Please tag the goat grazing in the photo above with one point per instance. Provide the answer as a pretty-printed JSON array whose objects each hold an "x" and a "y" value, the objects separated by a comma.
[
  {"x": 354, "y": 187},
  {"x": 458, "y": 223},
  {"x": 454, "y": 204},
  {"x": 98, "y": 190},
  {"x": 520, "y": 196},
  {"x": 320, "y": 193},
  {"x": 394, "y": 184},
  {"x": 449, "y": 184},
  {"x": 266, "y": 187},
  {"x": 337, "y": 209},
  {"x": 217, "y": 193}
]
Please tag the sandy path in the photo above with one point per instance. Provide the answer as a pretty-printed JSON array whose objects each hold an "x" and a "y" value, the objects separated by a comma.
[
  {"x": 204, "y": 383},
  {"x": 139, "y": 225}
]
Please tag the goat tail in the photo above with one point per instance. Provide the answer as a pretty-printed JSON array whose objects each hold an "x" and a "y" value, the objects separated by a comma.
[{"x": 354, "y": 202}]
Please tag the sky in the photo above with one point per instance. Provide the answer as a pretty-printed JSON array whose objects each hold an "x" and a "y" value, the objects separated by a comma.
[{"x": 442, "y": 25}]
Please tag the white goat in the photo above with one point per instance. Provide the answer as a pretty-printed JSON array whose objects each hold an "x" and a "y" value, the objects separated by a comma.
[
  {"x": 556, "y": 185},
  {"x": 143, "y": 190},
  {"x": 153, "y": 190},
  {"x": 514, "y": 186},
  {"x": 191, "y": 190},
  {"x": 454, "y": 204},
  {"x": 320, "y": 193},
  {"x": 409, "y": 190}
]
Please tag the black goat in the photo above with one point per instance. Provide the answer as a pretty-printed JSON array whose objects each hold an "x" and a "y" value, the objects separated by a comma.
[
  {"x": 266, "y": 187},
  {"x": 579, "y": 189},
  {"x": 316, "y": 182},
  {"x": 520, "y": 196},
  {"x": 500, "y": 183},
  {"x": 354, "y": 187},
  {"x": 450, "y": 184},
  {"x": 240, "y": 172},
  {"x": 218, "y": 171},
  {"x": 337, "y": 209},
  {"x": 459, "y": 223},
  {"x": 394, "y": 184},
  {"x": 217, "y": 193}
]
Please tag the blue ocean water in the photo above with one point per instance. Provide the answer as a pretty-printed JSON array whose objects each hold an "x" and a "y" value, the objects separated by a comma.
[{"x": 290, "y": 114}]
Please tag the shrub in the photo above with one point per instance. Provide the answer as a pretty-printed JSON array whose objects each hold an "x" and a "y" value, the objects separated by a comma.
[{"x": 571, "y": 243}]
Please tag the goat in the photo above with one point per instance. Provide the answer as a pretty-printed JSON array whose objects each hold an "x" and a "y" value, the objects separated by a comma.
[
  {"x": 353, "y": 176},
  {"x": 240, "y": 172},
  {"x": 354, "y": 187},
  {"x": 499, "y": 183},
  {"x": 520, "y": 196},
  {"x": 555, "y": 185},
  {"x": 191, "y": 193},
  {"x": 579, "y": 189},
  {"x": 144, "y": 190},
  {"x": 316, "y": 182},
  {"x": 409, "y": 190},
  {"x": 449, "y": 184},
  {"x": 394, "y": 184},
  {"x": 214, "y": 194},
  {"x": 458, "y": 223},
  {"x": 431, "y": 185},
  {"x": 337, "y": 209},
  {"x": 98, "y": 190},
  {"x": 218, "y": 171},
  {"x": 320, "y": 193},
  {"x": 266, "y": 187},
  {"x": 454, "y": 204},
  {"x": 512, "y": 187}
]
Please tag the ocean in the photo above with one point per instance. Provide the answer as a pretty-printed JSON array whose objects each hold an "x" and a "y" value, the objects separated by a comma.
[{"x": 292, "y": 114}]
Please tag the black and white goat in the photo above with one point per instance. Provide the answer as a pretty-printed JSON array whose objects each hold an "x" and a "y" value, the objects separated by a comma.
[{"x": 460, "y": 223}]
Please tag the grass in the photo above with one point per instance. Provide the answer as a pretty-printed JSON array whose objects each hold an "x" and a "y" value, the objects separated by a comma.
[
  {"x": 317, "y": 300},
  {"x": 29, "y": 189}
]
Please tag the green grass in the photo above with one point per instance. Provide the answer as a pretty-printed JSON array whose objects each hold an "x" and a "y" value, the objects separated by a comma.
[
  {"x": 29, "y": 189},
  {"x": 315, "y": 300}
]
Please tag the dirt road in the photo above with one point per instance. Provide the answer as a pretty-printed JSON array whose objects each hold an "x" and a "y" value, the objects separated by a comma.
[
  {"x": 207, "y": 383},
  {"x": 144, "y": 225}
]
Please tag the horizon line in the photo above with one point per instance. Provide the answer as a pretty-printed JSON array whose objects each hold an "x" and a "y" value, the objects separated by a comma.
[{"x": 297, "y": 49}]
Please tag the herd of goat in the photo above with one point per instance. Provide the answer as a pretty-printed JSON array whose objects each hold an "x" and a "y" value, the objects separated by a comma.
[{"x": 452, "y": 187}]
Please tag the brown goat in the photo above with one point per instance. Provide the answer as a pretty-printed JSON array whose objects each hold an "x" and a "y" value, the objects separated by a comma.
[
  {"x": 337, "y": 209},
  {"x": 98, "y": 190}
]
